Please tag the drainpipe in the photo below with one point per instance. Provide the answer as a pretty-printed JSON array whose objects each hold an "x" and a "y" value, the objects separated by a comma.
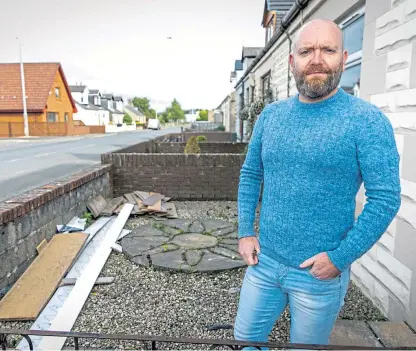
[{"x": 241, "y": 121}]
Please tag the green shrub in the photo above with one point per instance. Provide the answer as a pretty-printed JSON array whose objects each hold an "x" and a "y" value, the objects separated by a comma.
[
  {"x": 192, "y": 146},
  {"x": 201, "y": 138},
  {"x": 127, "y": 119},
  {"x": 221, "y": 128}
]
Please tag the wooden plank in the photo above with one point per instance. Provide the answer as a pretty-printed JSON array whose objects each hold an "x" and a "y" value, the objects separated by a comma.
[
  {"x": 171, "y": 208},
  {"x": 95, "y": 228},
  {"x": 68, "y": 314},
  {"x": 32, "y": 291},
  {"x": 96, "y": 205},
  {"x": 112, "y": 205},
  {"x": 99, "y": 281},
  {"x": 142, "y": 195},
  {"x": 130, "y": 198},
  {"x": 41, "y": 246}
]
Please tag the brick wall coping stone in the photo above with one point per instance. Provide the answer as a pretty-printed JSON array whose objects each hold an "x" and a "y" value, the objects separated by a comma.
[{"x": 28, "y": 201}]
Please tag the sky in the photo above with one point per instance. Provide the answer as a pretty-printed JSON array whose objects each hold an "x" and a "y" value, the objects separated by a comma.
[{"x": 122, "y": 47}]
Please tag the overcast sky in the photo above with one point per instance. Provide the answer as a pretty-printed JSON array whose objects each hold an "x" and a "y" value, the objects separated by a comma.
[{"x": 122, "y": 46}]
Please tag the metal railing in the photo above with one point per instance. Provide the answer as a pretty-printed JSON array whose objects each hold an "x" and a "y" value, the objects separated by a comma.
[{"x": 154, "y": 340}]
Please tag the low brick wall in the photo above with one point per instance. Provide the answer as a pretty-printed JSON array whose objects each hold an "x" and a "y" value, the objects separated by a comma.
[
  {"x": 31, "y": 217},
  {"x": 206, "y": 148},
  {"x": 210, "y": 135},
  {"x": 180, "y": 176}
]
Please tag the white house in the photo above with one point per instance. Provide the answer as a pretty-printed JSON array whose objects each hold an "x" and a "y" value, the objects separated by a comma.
[
  {"x": 80, "y": 93},
  {"x": 89, "y": 107}
]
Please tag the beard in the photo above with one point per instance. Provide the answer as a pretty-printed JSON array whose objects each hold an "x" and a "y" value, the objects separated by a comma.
[{"x": 317, "y": 88}]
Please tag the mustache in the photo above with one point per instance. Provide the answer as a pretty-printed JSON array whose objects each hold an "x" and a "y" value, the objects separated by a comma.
[{"x": 317, "y": 69}]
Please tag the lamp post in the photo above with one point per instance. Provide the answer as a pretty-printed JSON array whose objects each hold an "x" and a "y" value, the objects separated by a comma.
[{"x": 22, "y": 74}]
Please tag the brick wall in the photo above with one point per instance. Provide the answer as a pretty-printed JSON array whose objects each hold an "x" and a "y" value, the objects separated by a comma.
[
  {"x": 387, "y": 274},
  {"x": 211, "y": 136},
  {"x": 206, "y": 148},
  {"x": 180, "y": 176},
  {"x": 31, "y": 217}
]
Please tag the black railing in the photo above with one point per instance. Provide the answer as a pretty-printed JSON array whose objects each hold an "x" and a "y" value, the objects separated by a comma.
[{"x": 153, "y": 340}]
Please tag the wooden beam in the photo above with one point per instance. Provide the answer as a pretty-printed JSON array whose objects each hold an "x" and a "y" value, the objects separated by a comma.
[
  {"x": 99, "y": 281},
  {"x": 68, "y": 314}
]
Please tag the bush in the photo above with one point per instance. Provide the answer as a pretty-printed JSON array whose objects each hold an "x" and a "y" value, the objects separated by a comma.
[
  {"x": 201, "y": 138},
  {"x": 127, "y": 119},
  {"x": 192, "y": 146},
  {"x": 221, "y": 128}
]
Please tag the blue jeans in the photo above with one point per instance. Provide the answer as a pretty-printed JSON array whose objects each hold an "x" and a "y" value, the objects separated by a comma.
[{"x": 267, "y": 289}]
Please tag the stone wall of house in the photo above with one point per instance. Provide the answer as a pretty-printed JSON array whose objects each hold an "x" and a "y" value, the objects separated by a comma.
[
  {"x": 33, "y": 216},
  {"x": 179, "y": 176},
  {"x": 387, "y": 274},
  {"x": 206, "y": 148}
]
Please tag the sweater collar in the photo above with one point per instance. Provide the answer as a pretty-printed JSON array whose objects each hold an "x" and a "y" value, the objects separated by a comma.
[{"x": 321, "y": 104}]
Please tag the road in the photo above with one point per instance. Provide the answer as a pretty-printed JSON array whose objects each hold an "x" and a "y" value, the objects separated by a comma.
[{"x": 26, "y": 164}]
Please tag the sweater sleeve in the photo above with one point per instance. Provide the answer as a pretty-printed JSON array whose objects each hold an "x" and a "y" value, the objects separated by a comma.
[
  {"x": 251, "y": 177},
  {"x": 378, "y": 160}
]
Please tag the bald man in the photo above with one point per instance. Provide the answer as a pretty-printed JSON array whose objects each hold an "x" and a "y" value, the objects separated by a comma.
[{"x": 312, "y": 152}]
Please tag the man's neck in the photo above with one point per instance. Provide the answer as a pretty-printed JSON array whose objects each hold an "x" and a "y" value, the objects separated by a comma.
[{"x": 308, "y": 100}]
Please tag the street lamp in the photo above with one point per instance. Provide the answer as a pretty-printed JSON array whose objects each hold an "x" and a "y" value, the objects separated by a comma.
[{"x": 22, "y": 74}]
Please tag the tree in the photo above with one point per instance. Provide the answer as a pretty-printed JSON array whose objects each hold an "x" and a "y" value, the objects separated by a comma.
[
  {"x": 143, "y": 104},
  {"x": 203, "y": 115},
  {"x": 127, "y": 119},
  {"x": 176, "y": 111}
]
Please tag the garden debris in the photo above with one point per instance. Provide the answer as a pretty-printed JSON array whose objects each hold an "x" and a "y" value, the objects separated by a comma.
[
  {"x": 96, "y": 205},
  {"x": 112, "y": 205},
  {"x": 99, "y": 281},
  {"x": 75, "y": 225}
]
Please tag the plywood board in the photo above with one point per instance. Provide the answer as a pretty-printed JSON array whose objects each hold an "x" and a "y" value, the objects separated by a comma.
[
  {"x": 68, "y": 314},
  {"x": 130, "y": 198},
  {"x": 156, "y": 207},
  {"x": 41, "y": 246},
  {"x": 32, "y": 291}
]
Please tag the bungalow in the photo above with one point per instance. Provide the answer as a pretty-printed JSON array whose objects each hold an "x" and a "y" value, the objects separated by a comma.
[
  {"x": 137, "y": 115},
  {"x": 48, "y": 98}
]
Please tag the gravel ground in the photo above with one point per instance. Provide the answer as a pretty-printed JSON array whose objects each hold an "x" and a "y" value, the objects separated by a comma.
[{"x": 153, "y": 302}]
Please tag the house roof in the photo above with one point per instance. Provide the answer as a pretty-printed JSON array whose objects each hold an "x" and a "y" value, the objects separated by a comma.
[
  {"x": 133, "y": 110},
  {"x": 77, "y": 88},
  {"x": 39, "y": 78},
  {"x": 238, "y": 66},
  {"x": 250, "y": 52},
  {"x": 118, "y": 98},
  {"x": 108, "y": 96},
  {"x": 280, "y": 7},
  {"x": 94, "y": 92}
]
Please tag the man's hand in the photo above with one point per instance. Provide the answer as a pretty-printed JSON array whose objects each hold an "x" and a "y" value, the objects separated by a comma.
[
  {"x": 248, "y": 248},
  {"x": 322, "y": 267}
]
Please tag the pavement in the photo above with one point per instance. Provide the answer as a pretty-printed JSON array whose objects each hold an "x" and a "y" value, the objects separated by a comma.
[{"x": 27, "y": 163}]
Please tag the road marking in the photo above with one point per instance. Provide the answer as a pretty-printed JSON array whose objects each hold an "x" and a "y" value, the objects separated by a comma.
[
  {"x": 81, "y": 147},
  {"x": 14, "y": 160},
  {"x": 45, "y": 154}
]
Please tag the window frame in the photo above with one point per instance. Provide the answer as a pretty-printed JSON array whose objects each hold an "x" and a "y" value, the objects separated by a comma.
[
  {"x": 58, "y": 92},
  {"x": 55, "y": 117}
]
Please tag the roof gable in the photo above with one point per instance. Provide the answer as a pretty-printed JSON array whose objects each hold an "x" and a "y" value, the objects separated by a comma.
[
  {"x": 39, "y": 78},
  {"x": 280, "y": 7}
]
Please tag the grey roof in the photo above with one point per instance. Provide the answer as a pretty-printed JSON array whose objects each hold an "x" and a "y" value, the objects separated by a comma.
[
  {"x": 238, "y": 65},
  {"x": 280, "y": 6},
  {"x": 251, "y": 52},
  {"x": 118, "y": 98},
  {"x": 118, "y": 112},
  {"x": 94, "y": 92},
  {"x": 90, "y": 107},
  {"x": 77, "y": 88},
  {"x": 108, "y": 96},
  {"x": 134, "y": 110}
]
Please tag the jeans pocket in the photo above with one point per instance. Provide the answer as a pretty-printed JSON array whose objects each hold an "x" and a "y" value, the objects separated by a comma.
[{"x": 323, "y": 280}]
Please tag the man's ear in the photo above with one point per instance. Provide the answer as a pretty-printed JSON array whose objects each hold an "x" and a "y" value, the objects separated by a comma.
[
  {"x": 291, "y": 62},
  {"x": 344, "y": 59}
]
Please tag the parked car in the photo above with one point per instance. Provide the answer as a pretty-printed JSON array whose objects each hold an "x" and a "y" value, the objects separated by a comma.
[{"x": 153, "y": 123}]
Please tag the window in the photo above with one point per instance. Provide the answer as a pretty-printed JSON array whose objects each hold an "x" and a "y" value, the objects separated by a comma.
[
  {"x": 353, "y": 35},
  {"x": 82, "y": 100},
  {"x": 96, "y": 100},
  {"x": 353, "y": 32},
  {"x": 58, "y": 93},
  {"x": 52, "y": 117},
  {"x": 66, "y": 117}
]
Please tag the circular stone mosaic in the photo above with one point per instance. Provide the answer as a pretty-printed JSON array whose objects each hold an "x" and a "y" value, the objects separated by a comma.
[{"x": 185, "y": 245}]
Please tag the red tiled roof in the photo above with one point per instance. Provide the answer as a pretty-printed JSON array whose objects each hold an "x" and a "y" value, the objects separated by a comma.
[{"x": 39, "y": 78}]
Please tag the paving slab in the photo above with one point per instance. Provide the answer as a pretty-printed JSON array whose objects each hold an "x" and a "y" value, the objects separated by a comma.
[
  {"x": 184, "y": 245},
  {"x": 353, "y": 333},
  {"x": 394, "y": 334}
]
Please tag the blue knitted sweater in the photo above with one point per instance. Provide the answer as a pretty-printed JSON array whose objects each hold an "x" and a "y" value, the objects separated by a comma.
[{"x": 312, "y": 159}]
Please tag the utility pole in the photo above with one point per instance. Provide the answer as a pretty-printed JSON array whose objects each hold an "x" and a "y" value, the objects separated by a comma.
[{"x": 22, "y": 74}]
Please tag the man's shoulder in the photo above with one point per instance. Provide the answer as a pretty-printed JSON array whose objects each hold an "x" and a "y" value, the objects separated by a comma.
[{"x": 364, "y": 111}]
